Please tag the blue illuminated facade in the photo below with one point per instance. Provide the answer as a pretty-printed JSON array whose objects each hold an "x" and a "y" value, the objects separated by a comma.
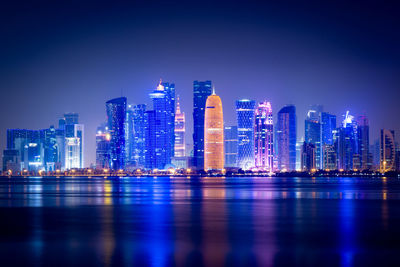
[
  {"x": 328, "y": 125},
  {"x": 347, "y": 143},
  {"x": 201, "y": 90},
  {"x": 245, "y": 110},
  {"x": 286, "y": 138},
  {"x": 116, "y": 117},
  {"x": 135, "y": 135}
]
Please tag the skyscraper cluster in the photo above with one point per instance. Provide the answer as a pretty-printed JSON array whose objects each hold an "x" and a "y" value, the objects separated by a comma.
[
  {"x": 47, "y": 149},
  {"x": 153, "y": 138}
]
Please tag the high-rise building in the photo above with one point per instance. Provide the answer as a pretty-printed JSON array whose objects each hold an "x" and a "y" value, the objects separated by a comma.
[
  {"x": 103, "y": 139},
  {"x": 330, "y": 157},
  {"x": 201, "y": 90},
  {"x": 214, "y": 134},
  {"x": 135, "y": 135},
  {"x": 160, "y": 134},
  {"x": 116, "y": 116},
  {"x": 328, "y": 125},
  {"x": 313, "y": 133},
  {"x": 286, "y": 138},
  {"x": 264, "y": 137},
  {"x": 50, "y": 148},
  {"x": 363, "y": 143},
  {"x": 347, "y": 142},
  {"x": 231, "y": 146},
  {"x": 72, "y": 153},
  {"x": 180, "y": 144},
  {"x": 245, "y": 119},
  {"x": 308, "y": 157},
  {"x": 387, "y": 151}
]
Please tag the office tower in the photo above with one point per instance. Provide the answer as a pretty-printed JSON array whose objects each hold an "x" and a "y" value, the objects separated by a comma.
[
  {"x": 264, "y": 137},
  {"x": 347, "y": 142},
  {"x": 50, "y": 148},
  {"x": 78, "y": 133},
  {"x": 201, "y": 90},
  {"x": 159, "y": 129},
  {"x": 11, "y": 160},
  {"x": 214, "y": 134},
  {"x": 135, "y": 135},
  {"x": 245, "y": 119},
  {"x": 70, "y": 119},
  {"x": 299, "y": 146},
  {"x": 180, "y": 144},
  {"x": 363, "y": 143},
  {"x": 60, "y": 140},
  {"x": 328, "y": 125},
  {"x": 72, "y": 153},
  {"x": 231, "y": 146},
  {"x": 116, "y": 116},
  {"x": 387, "y": 151},
  {"x": 313, "y": 133},
  {"x": 103, "y": 139},
  {"x": 330, "y": 157},
  {"x": 308, "y": 157},
  {"x": 286, "y": 138}
]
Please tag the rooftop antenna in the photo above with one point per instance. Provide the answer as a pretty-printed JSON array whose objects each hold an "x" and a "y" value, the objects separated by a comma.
[{"x": 213, "y": 90}]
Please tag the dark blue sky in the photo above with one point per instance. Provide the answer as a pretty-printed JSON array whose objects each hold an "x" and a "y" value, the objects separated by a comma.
[{"x": 60, "y": 57}]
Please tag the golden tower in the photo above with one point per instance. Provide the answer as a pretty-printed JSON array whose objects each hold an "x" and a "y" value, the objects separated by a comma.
[{"x": 213, "y": 134}]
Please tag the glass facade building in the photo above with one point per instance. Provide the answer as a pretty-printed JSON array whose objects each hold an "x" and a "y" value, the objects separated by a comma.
[
  {"x": 135, "y": 135},
  {"x": 286, "y": 138},
  {"x": 201, "y": 90},
  {"x": 180, "y": 144},
  {"x": 264, "y": 137},
  {"x": 116, "y": 116},
  {"x": 363, "y": 143},
  {"x": 231, "y": 146},
  {"x": 387, "y": 151},
  {"x": 245, "y": 119}
]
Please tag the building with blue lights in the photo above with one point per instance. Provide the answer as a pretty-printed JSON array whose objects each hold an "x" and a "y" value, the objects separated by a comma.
[
  {"x": 231, "y": 146},
  {"x": 201, "y": 91},
  {"x": 346, "y": 143},
  {"x": 116, "y": 117},
  {"x": 135, "y": 136},
  {"x": 245, "y": 119},
  {"x": 286, "y": 138},
  {"x": 313, "y": 133}
]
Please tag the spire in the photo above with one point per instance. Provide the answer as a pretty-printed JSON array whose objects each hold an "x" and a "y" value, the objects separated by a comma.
[
  {"x": 160, "y": 87},
  {"x": 178, "y": 106},
  {"x": 213, "y": 90}
]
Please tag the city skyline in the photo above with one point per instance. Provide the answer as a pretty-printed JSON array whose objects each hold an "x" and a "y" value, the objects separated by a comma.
[{"x": 53, "y": 65}]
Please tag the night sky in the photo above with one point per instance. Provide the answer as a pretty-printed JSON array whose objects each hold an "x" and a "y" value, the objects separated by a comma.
[{"x": 72, "y": 57}]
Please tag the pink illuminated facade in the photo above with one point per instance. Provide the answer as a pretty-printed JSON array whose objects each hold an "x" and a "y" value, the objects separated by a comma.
[{"x": 264, "y": 137}]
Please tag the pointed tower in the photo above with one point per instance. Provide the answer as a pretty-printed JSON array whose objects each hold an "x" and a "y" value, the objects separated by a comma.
[
  {"x": 214, "y": 134},
  {"x": 179, "y": 131}
]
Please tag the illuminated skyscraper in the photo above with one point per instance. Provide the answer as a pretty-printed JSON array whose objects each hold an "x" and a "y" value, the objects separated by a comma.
[
  {"x": 328, "y": 125},
  {"x": 347, "y": 142},
  {"x": 201, "y": 90},
  {"x": 286, "y": 138},
  {"x": 363, "y": 143},
  {"x": 135, "y": 135},
  {"x": 245, "y": 118},
  {"x": 72, "y": 152},
  {"x": 308, "y": 157},
  {"x": 180, "y": 145},
  {"x": 264, "y": 137},
  {"x": 231, "y": 145},
  {"x": 116, "y": 114},
  {"x": 214, "y": 134},
  {"x": 160, "y": 136},
  {"x": 103, "y": 138},
  {"x": 313, "y": 133},
  {"x": 387, "y": 151}
]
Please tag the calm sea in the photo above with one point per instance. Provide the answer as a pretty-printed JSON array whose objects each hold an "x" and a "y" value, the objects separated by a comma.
[{"x": 199, "y": 221}]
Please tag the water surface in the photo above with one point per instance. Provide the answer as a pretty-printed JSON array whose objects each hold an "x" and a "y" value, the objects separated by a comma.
[{"x": 199, "y": 221}]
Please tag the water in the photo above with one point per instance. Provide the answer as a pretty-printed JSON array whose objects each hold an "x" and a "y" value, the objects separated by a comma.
[{"x": 199, "y": 221}]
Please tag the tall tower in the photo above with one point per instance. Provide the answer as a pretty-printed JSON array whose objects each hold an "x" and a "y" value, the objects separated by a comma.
[
  {"x": 214, "y": 134},
  {"x": 179, "y": 131},
  {"x": 264, "y": 136},
  {"x": 387, "y": 151},
  {"x": 116, "y": 114},
  {"x": 135, "y": 132},
  {"x": 201, "y": 90},
  {"x": 286, "y": 138},
  {"x": 363, "y": 142},
  {"x": 347, "y": 142},
  {"x": 313, "y": 133},
  {"x": 245, "y": 118},
  {"x": 231, "y": 145}
]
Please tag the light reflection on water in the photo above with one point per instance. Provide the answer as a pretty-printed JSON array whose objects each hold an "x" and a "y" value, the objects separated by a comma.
[{"x": 200, "y": 221}]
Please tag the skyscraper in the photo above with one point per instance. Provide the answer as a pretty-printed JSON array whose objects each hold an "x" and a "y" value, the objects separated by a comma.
[
  {"x": 245, "y": 118},
  {"x": 328, "y": 125},
  {"x": 160, "y": 134},
  {"x": 180, "y": 144},
  {"x": 135, "y": 134},
  {"x": 231, "y": 146},
  {"x": 214, "y": 134},
  {"x": 103, "y": 138},
  {"x": 286, "y": 138},
  {"x": 363, "y": 143},
  {"x": 264, "y": 137},
  {"x": 116, "y": 116},
  {"x": 347, "y": 142},
  {"x": 72, "y": 153},
  {"x": 308, "y": 157},
  {"x": 387, "y": 151},
  {"x": 313, "y": 133},
  {"x": 201, "y": 90}
]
